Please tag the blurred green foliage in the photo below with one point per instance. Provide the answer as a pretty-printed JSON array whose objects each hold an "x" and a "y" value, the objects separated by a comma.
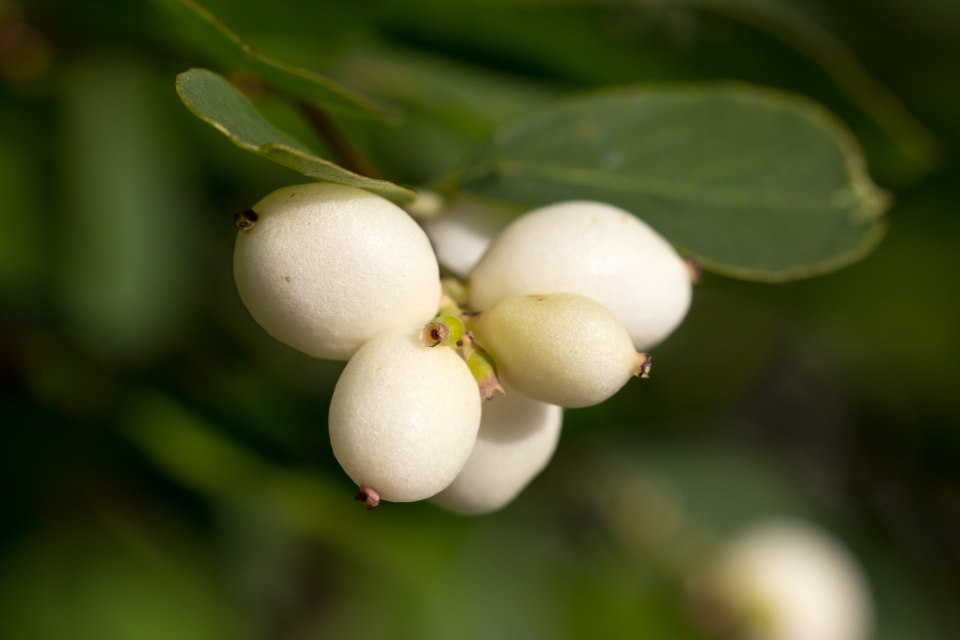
[{"x": 165, "y": 466}]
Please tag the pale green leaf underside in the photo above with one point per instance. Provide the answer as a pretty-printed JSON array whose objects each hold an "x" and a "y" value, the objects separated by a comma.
[
  {"x": 221, "y": 105},
  {"x": 751, "y": 182}
]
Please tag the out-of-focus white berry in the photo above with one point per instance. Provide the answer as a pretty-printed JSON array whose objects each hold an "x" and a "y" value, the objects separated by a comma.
[
  {"x": 787, "y": 580},
  {"x": 426, "y": 204},
  {"x": 404, "y": 417},
  {"x": 326, "y": 267},
  {"x": 596, "y": 250},
  {"x": 558, "y": 348},
  {"x": 463, "y": 232},
  {"x": 517, "y": 438}
]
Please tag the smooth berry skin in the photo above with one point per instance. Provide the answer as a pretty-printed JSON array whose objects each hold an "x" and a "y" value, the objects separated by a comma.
[
  {"x": 559, "y": 348},
  {"x": 325, "y": 268},
  {"x": 802, "y": 580},
  {"x": 593, "y": 249},
  {"x": 404, "y": 417},
  {"x": 517, "y": 439}
]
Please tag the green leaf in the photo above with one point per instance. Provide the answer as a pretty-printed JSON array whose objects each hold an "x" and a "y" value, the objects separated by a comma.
[
  {"x": 116, "y": 578},
  {"x": 123, "y": 274},
  {"x": 632, "y": 41},
  {"x": 751, "y": 182},
  {"x": 221, "y": 105},
  {"x": 202, "y": 28},
  {"x": 24, "y": 255},
  {"x": 448, "y": 106},
  {"x": 805, "y": 36}
]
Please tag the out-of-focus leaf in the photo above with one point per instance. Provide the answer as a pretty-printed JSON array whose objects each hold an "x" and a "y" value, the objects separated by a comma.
[
  {"x": 23, "y": 252},
  {"x": 208, "y": 31},
  {"x": 768, "y": 42},
  {"x": 696, "y": 472},
  {"x": 449, "y": 107},
  {"x": 753, "y": 183},
  {"x": 196, "y": 455},
  {"x": 124, "y": 270},
  {"x": 795, "y": 29},
  {"x": 472, "y": 95},
  {"x": 221, "y": 105},
  {"x": 94, "y": 583}
]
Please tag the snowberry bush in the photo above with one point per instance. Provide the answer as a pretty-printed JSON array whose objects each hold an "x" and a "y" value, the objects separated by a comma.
[{"x": 555, "y": 311}]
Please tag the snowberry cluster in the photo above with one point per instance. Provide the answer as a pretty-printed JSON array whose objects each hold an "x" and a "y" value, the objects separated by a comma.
[{"x": 455, "y": 393}]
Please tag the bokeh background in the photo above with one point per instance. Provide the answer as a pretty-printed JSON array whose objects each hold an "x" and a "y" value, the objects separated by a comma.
[{"x": 164, "y": 465}]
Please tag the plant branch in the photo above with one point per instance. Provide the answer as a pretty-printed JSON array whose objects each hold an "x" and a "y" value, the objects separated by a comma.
[{"x": 347, "y": 155}]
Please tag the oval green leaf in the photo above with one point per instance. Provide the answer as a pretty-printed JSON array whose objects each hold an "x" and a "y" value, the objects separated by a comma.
[
  {"x": 221, "y": 105},
  {"x": 752, "y": 183}
]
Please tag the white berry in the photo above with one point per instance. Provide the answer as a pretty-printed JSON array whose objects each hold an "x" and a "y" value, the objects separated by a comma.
[
  {"x": 787, "y": 580},
  {"x": 325, "y": 267},
  {"x": 462, "y": 234},
  {"x": 517, "y": 438},
  {"x": 404, "y": 417},
  {"x": 559, "y": 348},
  {"x": 593, "y": 249}
]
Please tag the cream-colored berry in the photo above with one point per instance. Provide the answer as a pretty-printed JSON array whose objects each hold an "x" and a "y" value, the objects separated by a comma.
[
  {"x": 596, "y": 250},
  {"x": 517, "y": 438},
  {"x": 788, "y": 580},
  {"x": 325, "y": 267},
  {"x": 404, "y": 417},
  {"x": 464, "y": 231},
  {"x": 558, "y": 348}
]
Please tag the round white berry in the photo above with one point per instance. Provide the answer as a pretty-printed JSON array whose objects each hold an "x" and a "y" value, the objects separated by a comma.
[
  {"x": 325, "y": 267},
  {"x": 559, "y": 348},
  {"x": 517, "y": 438},
  {"x": 593, "y": 249},
  {"x": 404, "y": 417},
  {"x": 787, "y": 580}
]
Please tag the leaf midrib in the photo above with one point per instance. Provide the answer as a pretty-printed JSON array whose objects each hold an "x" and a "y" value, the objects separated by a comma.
[{"x": 839, "y": 199}]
